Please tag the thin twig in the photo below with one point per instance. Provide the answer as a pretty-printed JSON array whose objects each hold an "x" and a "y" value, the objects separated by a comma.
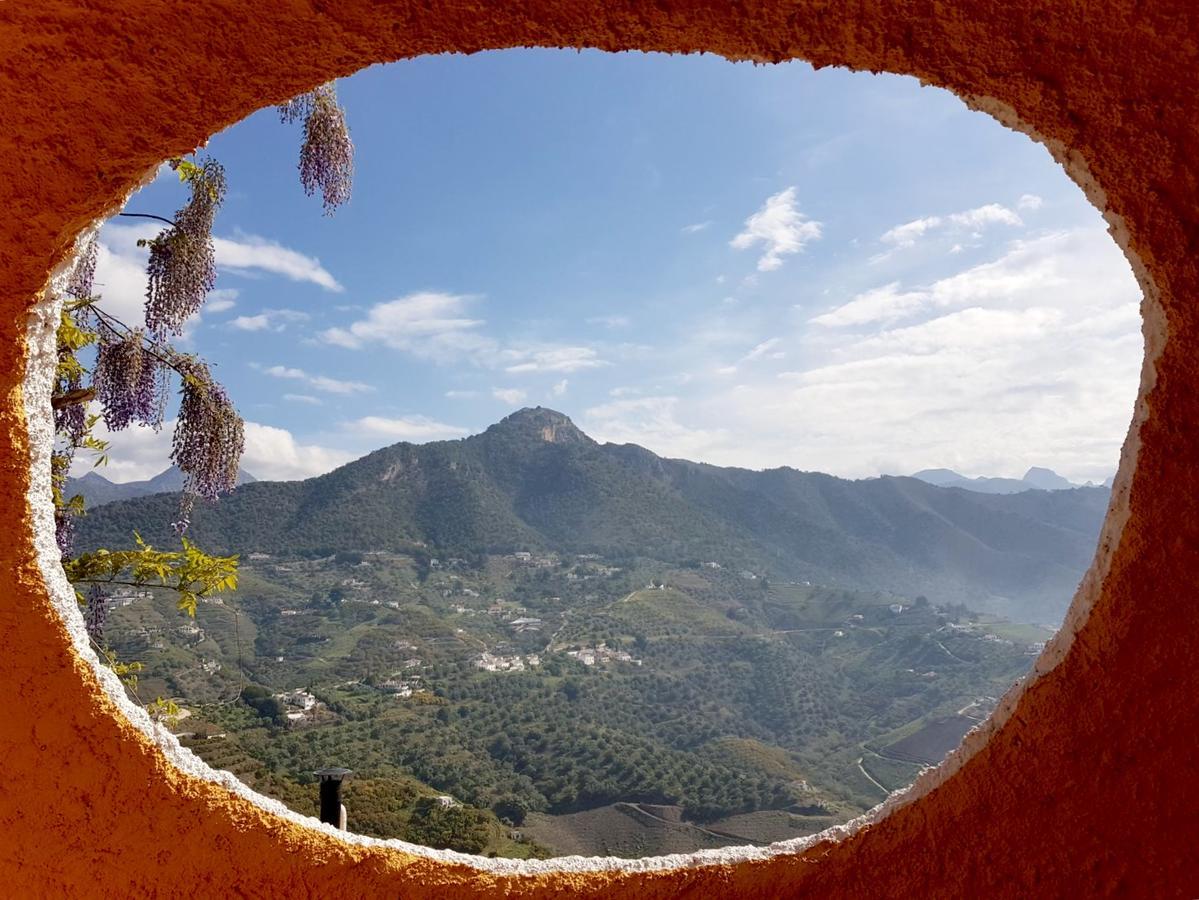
[{"x": 147, "y": 216}]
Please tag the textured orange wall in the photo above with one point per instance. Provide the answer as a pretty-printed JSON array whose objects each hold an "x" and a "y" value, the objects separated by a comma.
[{"x": 1089, "y": 788}]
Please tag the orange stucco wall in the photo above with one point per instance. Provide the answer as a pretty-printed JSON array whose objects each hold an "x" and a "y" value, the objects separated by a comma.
[{"x": 1089, "y": 788}]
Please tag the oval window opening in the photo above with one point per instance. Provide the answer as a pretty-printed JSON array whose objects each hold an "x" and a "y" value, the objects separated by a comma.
[{"x": 653, "y": 454}]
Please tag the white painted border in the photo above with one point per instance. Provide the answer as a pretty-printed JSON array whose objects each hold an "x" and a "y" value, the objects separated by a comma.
[{"x": 42, "y": 357}]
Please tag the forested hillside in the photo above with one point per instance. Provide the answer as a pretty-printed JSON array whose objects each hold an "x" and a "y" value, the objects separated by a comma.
[{"x": 535, "y": 482}]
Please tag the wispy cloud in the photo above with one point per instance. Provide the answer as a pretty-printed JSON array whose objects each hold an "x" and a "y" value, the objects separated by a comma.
[
  {"x": 407, "y": 428},
  {"x": 511, "y": 396},
  {"x": 252, "y": 253},
  {"x": 882, "y": 304},
  {"x": 430, "y": 324},
  {"x": 554, "y": 359},
  {"x": 907, "y": 234},
  {"x": 696, "y": 227},
  {"x": 221, "y": 300},
  {"x": 767, "y": 349},
  {"x": 781, "y": 229},
  {"x": 1026, "y": 266},
  {"x": 320, "y": 382},
  {"x": 269, "y": 320},
  {"x": 910, "y": 233},
  {"x": 304, "y": 398},
  {"x": 439, "y": 327},
  {"x": 1029, "y": 359}
]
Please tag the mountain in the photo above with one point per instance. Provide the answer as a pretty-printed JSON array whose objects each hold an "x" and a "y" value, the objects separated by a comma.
[
  {"x": 97, "y": 490},
  {"x": 535, "y": 481},
  {"x": 1035, "y": 479}
]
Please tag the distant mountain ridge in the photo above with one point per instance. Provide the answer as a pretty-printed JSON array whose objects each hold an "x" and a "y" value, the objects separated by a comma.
[
  {"x": 97, "y": 490},
  {"x": 535, "y": 481},
  {"x": 1035, "y": 479}
]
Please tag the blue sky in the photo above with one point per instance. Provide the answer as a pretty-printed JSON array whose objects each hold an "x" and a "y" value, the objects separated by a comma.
[{"x": 746, "y": 265}]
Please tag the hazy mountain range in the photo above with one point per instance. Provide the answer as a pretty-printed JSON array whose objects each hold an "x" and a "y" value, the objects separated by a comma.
[
  {"x": 535, "y": 481},
  {"x": 97, "y": 490},
  {"x": 1035, "y": 479}
]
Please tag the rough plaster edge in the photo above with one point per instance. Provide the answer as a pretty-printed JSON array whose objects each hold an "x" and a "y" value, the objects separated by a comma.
[{"x": 40, "y": 336}]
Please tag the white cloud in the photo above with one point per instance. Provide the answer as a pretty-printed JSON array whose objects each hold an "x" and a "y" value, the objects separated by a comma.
[
  {"x": 908, "y": 233},
  {"x": 780, "y": 227},
  {"x": 559, "y": 388},
  {"x": 1028, "y": 269},
  {"x": 652, "y": 422},
  {"x": 696, "y": 227},
  {"x": 991, "y": 214},
  {"x": 250, "y": 253},
  {"x": 221, "y": 300},
  {"x": 766, "y": 348},
  {"x": 304, "y": 398},
  {"x": 430, "y": 325},
  {"x": 1029, "y": 201},
  {"x": 461, "y": 395},
  {"x": 320, "y": 382},
  {"x": 881, "y": 304},
  {"x": 1032, "y": 358},
  {"x": 268, "y": 320},
  {"x": 121, "y": 269},
  {"x": 407, "y": 428},
  {"x": 337, "y": 386},
  {"x": 554, "y": 359},
  {"x": 439, "y": 327},
  {"x": 138, "y": 453},
  {"x": 273, "y": 454},
  {"x": 511, "y": 396}
]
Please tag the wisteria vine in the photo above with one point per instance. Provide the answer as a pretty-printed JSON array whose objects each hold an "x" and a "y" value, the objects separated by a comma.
[{"x": 132, "y": 367}]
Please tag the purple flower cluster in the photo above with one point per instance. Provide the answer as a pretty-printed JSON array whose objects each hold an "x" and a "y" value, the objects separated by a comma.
[
  {"x": 84, "y": 273},
  {"x": 327, "y": 156},
  {"x": 182, "y": 266},
  {"x": 70, "y": 421},
  {"x": 95, "y": 614},
  {"x": 208, "y": 441},
  {"x": 126, "y": 378}
]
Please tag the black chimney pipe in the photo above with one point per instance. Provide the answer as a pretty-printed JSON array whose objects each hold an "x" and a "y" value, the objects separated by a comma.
[{"x": 331, "y": 779}]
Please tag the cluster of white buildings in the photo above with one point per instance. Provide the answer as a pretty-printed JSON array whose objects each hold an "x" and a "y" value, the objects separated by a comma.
[
  {"x": 300, "y": 704},
  {"x": 590, "y": 656},
  {"x": 489, "y": 662}
]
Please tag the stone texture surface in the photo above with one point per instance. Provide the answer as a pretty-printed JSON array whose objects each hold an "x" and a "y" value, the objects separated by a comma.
[{"x": 1087, "y": 785}]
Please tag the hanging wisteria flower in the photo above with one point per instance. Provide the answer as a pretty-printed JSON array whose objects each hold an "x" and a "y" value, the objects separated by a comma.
[
  {"x": 70, "y": 419},
  {"x": 84, "y": 273},
  {"x": 296, "y": 109},
  {"x": 95, "y": 614},
  {"x": 327, "y": 156},
  {"x": 64, "y": 511},
  {"x": 126, "y": 377},
  {"x": 182, "y": 266},
  {"x": 209, "y": 438}
]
